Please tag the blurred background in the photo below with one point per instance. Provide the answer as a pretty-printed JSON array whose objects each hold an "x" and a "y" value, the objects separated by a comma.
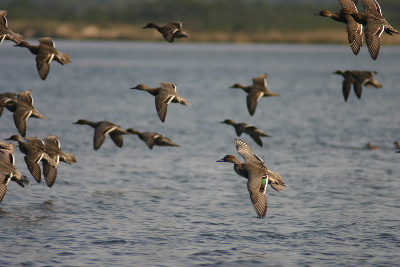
[{"x": 240, "y": 21}]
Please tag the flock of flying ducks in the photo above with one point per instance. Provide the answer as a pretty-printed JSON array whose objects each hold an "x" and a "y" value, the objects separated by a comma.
[
  {"x": 49, "y": 152},
  {"x": 371, "y": 20}
]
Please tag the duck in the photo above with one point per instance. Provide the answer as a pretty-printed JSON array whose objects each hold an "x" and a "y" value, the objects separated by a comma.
[
  {"x": 4, "y": 181},
  {"x": 257, "y": 174},
  {"x": 354, "y": 29},
  {"x": 53, "y": 149},
  {"x": 357, "y": 79},
  {"x": 5, "y": 32},
  {"x": 152, "y": 139},
  {"x": 8, "y": 170},
  {"x": 371, "y": 146},
  {"x": 164, "y": 95},
  {"x": 170, "y": 31},
  {"x": 23, "y": 110},
  {"x": 249, "y": 129},
  {"x": 45, "y": 52},
  {"x": 255, "y": 91},
  {"x": 396, "y": 144},
  {"x": 374, "y": 24},
  {"x": 102, "y": 129},
  {"x": 35, "y": 152}
]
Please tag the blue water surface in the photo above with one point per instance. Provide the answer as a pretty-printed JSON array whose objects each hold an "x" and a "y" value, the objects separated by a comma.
[{"x": 175, "y": 206}]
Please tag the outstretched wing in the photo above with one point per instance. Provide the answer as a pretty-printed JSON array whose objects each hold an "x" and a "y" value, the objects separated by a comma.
[
  {"x": 257, "y": 188},
  {"x": 246, "y": 152}
]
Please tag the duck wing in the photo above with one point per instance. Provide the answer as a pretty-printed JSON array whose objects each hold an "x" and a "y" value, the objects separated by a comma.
[
  {"x": 252, "y": 100},
  {"x": 257, "y": 185},
  {"x": 100, "y": 134},
  {"x": 21, "y": 116},
  {"x": 346, "y": 86},
  {"x": 43, "y": 60},
  {"x": 373, "y": 32},
  {"x": 354, "y": 34},
  {"x": 256, "y": 139},
  {"x": 247, "y": 153},
  {"x": 117, "y": 139},
  {"x": 4, "y": 186},
  {"x": 261, "y": 81},
  {"x": 372, "y": 6},
  {"x": 162, "y": 100},
  {"x": 149, "y": 140},
  {"x": 240, "y": 128},
  {"x": 32, "y": 162},
  {"x": 49, "y": 173}
]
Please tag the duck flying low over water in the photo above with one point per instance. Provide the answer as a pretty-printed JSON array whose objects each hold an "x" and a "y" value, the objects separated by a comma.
[
  {"x": 164, "y": 95},
  {"x": 35, "y": 152},
  {"x": 152, "y": 139},
  {"x": 357, "y": 79},
  {"x": 249, "y": 129},
  {"x": 374, "y": 24},
  {"x": 354, "y": 29},
  {"x": 24, "y": 109},
  {"x": 5, "y": 32},
  {"x": 255, "y": 91},
  {"x": 45, "y": 52},
  {"x": 8, "y": 170},
  {"x": 257, "y": 174},
  {"x": 53, "y": 149},
  {"x": 102, "y": 129},
  {"x": 170, "y": 31}
]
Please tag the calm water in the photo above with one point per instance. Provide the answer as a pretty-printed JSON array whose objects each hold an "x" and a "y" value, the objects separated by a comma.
[{"x": 178, "y": 207}]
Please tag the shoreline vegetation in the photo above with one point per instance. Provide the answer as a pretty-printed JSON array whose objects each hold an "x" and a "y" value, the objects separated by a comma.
[
  {"x": 227, "y": 21},
  {"x": 121, "y": 31}
]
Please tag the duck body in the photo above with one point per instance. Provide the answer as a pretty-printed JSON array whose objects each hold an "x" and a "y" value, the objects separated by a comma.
[
  {"x": 354, "y": 29},
  {"x": 35, "y": 152},
  {"x": 164, "y": 95},
  {"x": 255, "y": 91},
  {"x": 371, "y": 146},
  {"x": 357, "y": 79},
  {"x": 8, "y": 170},
  {"x": 257, "y": 175},
  {"x": 152, "y": 139},
  {"x": 24, "y": 109},
  {"x": 249, "y": 129},
  {"x": 374, "y": 25},
  {"x": 45, "y": 52},
  {"x": 170, "y": 31},
  {"x": 53, "y": 149},
  {"x": 102, "y": 129}
]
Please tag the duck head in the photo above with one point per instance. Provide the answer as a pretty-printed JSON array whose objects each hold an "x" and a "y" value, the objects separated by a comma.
[
  {"x": 140, "y": 87},
  {"x": 82, "y": 122},
  {"x": 228, "y": 158},
  {"x": 22, "y": 44},
  {"x": 237, "y": 85},
  {"x": 324, "y": 13},
  {"x": 150, "y": 25},
  {"x": 228, "y": 121},
  {"x": 15, "y": 138}
]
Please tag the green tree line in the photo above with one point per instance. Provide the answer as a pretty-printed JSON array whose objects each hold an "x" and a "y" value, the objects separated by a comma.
[{"x": 198, "y": 15}]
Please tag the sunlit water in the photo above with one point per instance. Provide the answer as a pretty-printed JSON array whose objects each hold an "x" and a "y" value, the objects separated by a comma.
[{"x": 175, "y": 206}]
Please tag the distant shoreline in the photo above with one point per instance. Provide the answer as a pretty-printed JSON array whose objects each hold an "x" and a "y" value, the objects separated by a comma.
[{"x": 87, "y": 31}]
